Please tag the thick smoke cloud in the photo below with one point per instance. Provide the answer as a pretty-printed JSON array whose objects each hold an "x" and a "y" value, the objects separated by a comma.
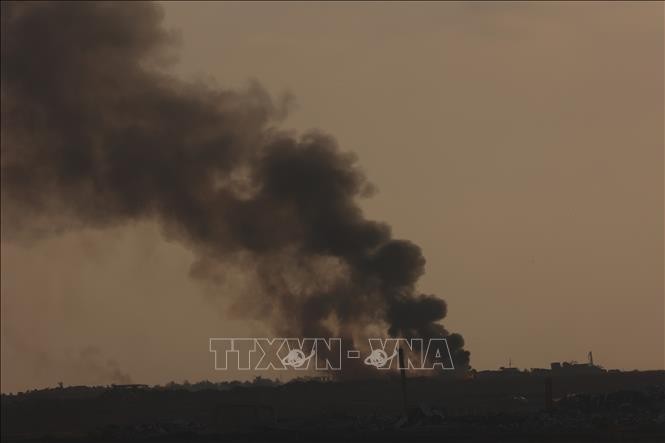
[{"x": 96, "y": 133}]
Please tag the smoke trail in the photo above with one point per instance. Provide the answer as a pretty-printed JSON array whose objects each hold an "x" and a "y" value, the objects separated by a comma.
[
  {"x": 90, "y": 361},
  {"x": 96, "y": 133}
]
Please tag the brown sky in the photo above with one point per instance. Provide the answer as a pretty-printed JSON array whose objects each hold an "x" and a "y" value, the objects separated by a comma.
[{"x": 520, "y": 145}]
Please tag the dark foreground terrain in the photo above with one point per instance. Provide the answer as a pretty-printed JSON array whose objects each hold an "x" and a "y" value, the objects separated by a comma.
[{"x": 605, "y": 407}]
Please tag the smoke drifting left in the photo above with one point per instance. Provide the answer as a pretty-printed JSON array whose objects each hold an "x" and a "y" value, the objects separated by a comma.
[{"x": 96, "y": 133}]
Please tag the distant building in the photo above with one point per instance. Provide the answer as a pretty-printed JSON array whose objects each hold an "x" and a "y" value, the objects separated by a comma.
[
  {"x": 502, "y": 372},
  {"x": 130, "y": 386},
  {"x": 574, "y": 368}
]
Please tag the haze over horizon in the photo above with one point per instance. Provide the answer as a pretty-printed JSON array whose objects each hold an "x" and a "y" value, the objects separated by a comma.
[{"x": 519, "y": 145}]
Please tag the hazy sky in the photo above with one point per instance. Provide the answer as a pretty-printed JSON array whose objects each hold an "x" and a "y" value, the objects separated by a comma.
[{"x": 520, "y": 145}]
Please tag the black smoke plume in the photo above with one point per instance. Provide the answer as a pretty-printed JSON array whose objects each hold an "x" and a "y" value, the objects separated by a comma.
[{"x": 95, "y": 132}]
